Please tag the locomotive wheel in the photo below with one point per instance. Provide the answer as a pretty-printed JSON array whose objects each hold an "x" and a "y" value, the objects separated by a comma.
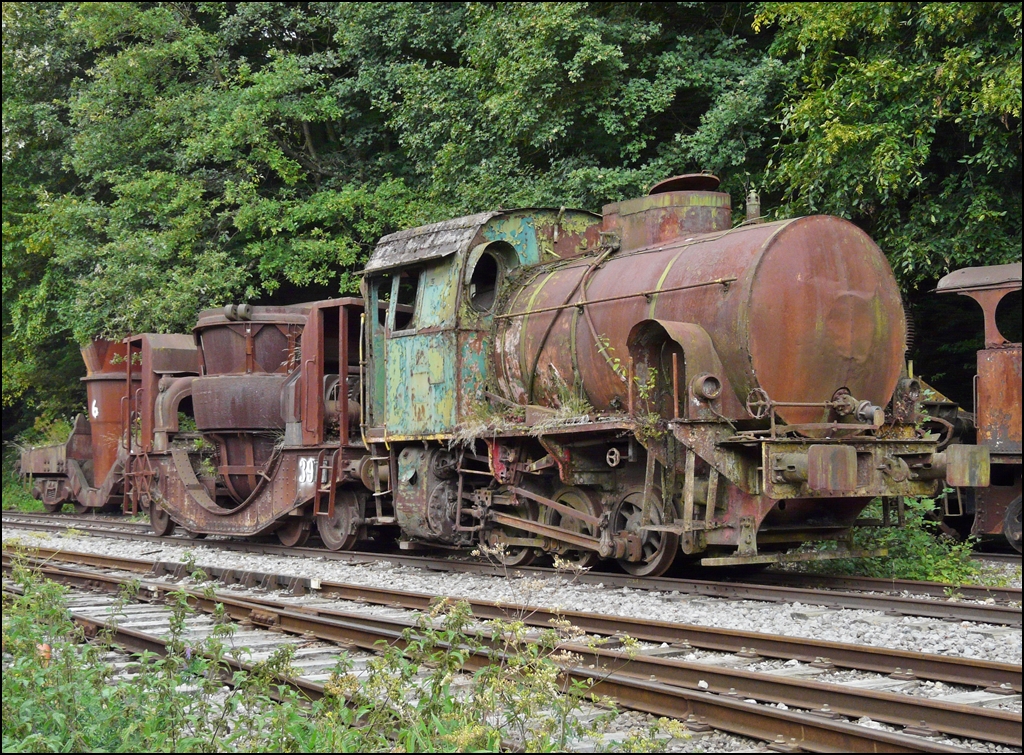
[
  {"x": 659, "y": 549},
  {"x": 516, "y": 555},
  {"x": 160, "y": 520},
  {"x": 1011, "y": 524},
  {"x": 80, "y": 508},
  {"x": 53, "y": 508},
  {"x": 581, "y": 500},
  {"x": 294, "y": 532},
  {"x": 339, "y": 531}
]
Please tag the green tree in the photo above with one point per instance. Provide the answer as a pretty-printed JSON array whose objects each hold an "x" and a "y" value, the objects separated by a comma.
[{"x": 905, "y": 117}]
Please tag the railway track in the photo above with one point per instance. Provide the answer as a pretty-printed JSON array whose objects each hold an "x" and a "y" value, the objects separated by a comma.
[
  {"x": 999, "y": 558},
  {"x": 656, "y": 681},
  {"x": 899, "y": 597}
]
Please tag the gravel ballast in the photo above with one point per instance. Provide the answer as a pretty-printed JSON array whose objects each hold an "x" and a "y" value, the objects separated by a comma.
[{"x": 967, "y": 639}]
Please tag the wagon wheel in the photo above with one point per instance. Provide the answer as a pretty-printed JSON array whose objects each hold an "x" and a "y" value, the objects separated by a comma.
[
  {"x": 294, "y": 532},
  {"x": 658, "y": 549},
  {"x": 1011, "y": 524},
  {"x": 581, "y": 500},
  {"x": 340, "y": 531},
  {"x": 159, "y": 520},
  {"x": 515, "y": 555}
]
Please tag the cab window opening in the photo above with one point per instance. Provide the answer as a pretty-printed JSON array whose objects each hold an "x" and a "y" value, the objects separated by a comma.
[
  {"x": 1008, "y": 317},
  {"x": 383, "y": 296},
  {"x": 483, "y": 285},
  {"x": 408, "y": 288}
]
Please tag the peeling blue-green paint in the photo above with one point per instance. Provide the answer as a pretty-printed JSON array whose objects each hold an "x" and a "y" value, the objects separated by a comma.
[
  {"x": 420, "y": 383},
  {"x": 427, "y": 375}
]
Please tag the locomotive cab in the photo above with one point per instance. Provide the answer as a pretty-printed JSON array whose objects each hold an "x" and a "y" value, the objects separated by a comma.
[
  {"x": 997, "y": 398},
  {"x": 437, "y": 289}
]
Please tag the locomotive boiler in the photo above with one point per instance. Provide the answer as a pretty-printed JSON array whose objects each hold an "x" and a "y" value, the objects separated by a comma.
[{"x": 643, "y": 385}]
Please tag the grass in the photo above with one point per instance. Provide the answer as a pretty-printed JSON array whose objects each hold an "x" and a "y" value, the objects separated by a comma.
[
  {"x": 61, "y": 693},
  {"x": 17, "y": 495},
  {"x": 917, "y": 551}
]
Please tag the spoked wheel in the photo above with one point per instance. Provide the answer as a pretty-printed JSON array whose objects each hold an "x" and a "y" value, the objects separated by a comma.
[
  {"x": 294, "y": 532},
  {"x": 1011, "y": 524},
  {"x": 515, "y": 555},
  {"x": 659, "y": 549},
  {"x": 160, "y": 520},
  {"x": 340, "y": 531},
  {"x": 581, "y": 500}
]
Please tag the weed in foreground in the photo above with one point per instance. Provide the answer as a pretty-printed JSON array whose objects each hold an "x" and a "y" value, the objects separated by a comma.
[{"x": 61, "y": 692}]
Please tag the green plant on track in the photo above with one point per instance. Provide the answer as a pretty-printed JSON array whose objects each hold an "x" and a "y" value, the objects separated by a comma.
[{"x": 919, "y": 550}]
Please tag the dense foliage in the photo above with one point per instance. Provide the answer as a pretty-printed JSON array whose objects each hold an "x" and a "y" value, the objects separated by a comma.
[{"x": 159, "y": 158}]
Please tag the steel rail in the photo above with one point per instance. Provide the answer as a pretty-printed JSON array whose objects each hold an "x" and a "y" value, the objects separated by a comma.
[
  {"x": 985, "y": 613},
  {"x": 875, "y": 584},
  {"x": 1002, "y": 558},
  {"x": 948, "y": 669},
  {"x": 952, "y": 719},
  {"x": 790, "y": 579},
  {"x": 816, "y": 735}
]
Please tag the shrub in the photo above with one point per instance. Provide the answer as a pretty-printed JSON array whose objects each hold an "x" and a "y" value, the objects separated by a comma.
[
  {"x": 918, "y": 550},
  {"x": 60, "y": 693},
  {"x": 17, "y": 494}
]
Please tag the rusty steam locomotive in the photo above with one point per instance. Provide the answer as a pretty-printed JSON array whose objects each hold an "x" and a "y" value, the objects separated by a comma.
[{"x": 645, "y": 385}]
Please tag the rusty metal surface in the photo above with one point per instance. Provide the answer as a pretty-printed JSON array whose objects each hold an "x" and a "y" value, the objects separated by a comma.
[
  {"x": 159, "y": 356},
  {"x": 264, "y": 342},
  {"x": 668, "y": 215},
  {"x": 999, "y": 399},
  {"x": 814, "y": 307},
  {"x": 106, "y": 391},
  {"x": 991, "y": 503},
  {"x": 276, "y": 417},
  {"x": 238, "y": 402},
  {"x": 973, "y": 278}
]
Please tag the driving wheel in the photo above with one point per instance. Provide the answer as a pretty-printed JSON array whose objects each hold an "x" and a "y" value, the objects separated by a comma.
[
  {"x": 515, "y": 555},
  {"x": 658, "y": 549},
  {"x": 339, "y": 531},
  {"x": 584, "y": 501}
]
